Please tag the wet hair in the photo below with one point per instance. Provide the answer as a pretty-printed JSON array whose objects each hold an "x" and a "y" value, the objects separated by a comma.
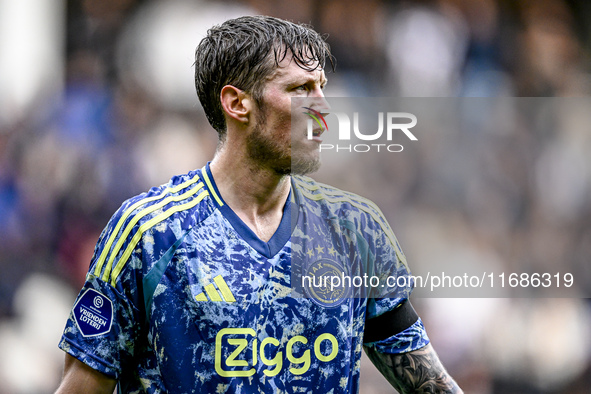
[{"x": 244, "y": 52}]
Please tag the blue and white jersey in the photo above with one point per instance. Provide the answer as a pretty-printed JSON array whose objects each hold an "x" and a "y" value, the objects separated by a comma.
[{"x": 183, "y": 297}]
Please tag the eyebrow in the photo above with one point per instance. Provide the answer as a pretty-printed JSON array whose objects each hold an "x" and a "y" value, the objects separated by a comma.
[
  {"x": 322, "y": 81},
  {"x": 297, "y": 80}
]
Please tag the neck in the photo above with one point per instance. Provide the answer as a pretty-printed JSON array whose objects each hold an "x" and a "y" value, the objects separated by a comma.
[{"x": 256, "y": 194}]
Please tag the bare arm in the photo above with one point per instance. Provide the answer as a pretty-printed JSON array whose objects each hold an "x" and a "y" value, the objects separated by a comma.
[
  {"x": 419, "y": 371},
  {"x": 80, "y": 378}
]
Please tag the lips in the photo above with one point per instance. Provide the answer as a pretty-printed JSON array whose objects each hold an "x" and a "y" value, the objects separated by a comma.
[
  {"x": 317, "y": 132},
  {"x": 319, "y": 119}
]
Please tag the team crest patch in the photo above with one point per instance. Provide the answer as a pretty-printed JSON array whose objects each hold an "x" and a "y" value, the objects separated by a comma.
[
  {"x": 93, "y": 314},
  {"x": 322, "y": 283}
]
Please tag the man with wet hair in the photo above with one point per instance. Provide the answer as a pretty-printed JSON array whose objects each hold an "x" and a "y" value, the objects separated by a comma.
[{"x": 191, "y": 287}]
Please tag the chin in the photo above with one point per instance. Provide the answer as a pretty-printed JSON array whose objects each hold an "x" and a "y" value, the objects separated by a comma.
[{"x": 304, "y": 166}]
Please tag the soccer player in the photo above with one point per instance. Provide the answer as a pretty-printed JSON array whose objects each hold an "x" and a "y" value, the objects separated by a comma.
[{"x": 191, "y": 287}]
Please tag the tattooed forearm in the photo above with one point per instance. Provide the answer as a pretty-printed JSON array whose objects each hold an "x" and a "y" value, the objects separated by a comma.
[{"x": 415, "y": 372}]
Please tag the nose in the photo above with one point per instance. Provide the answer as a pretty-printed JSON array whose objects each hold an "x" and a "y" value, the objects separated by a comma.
[{"x": 318, "y": 100}]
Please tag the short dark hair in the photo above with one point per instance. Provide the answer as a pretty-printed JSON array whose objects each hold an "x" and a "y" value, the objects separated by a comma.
[{"x": 244, "y": 52}]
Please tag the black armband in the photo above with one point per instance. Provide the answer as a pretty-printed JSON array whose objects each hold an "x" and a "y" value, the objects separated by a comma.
[{"x": 390, "y": 323}]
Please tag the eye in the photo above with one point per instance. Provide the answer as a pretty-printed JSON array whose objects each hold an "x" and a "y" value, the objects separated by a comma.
[{"x": 302, "y": 87}]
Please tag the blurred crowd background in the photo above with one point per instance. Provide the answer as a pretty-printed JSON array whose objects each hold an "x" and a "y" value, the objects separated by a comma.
[{"x": 97, "y": 104}]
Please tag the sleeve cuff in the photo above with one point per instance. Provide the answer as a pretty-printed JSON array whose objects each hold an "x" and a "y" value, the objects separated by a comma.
[
  {"x": 92, "y": 361},
  {"x": 411, "y": 339}
]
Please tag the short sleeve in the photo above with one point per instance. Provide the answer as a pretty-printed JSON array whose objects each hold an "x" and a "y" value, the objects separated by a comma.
[
  {"x": 101, "y": 328},
  {"x": 103, "y": 325},
  {"x": 392, "y": 291},
  {"x": 394, "y": 282}
]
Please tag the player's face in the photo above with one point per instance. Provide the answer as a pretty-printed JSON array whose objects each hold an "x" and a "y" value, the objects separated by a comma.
[{"x": 272, "y": 142}]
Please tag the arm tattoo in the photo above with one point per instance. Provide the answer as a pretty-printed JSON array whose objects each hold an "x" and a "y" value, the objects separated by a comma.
[{"x": 419, "y": 371}]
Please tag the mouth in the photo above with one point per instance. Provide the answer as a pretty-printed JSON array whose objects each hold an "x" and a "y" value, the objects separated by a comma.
[
  {"x": 316, "y": 135},
  {"x": 316, "y": 126},
  {"x": 317, "y": 132}
]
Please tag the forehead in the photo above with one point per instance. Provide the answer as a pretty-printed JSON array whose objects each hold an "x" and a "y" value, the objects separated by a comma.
[{"x": 288, "y": 70}]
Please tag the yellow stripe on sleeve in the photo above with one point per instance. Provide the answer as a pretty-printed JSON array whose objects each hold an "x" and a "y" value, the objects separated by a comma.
[
  {"x": 138, "y": 217},
  {"x": 149, "y": 224},
  {"x": 107, "y": 247}
]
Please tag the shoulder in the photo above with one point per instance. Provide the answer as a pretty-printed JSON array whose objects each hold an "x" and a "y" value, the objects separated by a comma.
[
  {"x": 180, "y": 202},
  {"x": 148, "y": 224},
  {"x": 348, "y": 208},
  {"x": 180, "y": 195},
  {"x": 336, "y": 200}
]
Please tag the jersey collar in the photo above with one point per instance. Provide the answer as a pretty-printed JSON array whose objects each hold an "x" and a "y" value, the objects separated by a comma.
[{"x": 282, "y": 234}]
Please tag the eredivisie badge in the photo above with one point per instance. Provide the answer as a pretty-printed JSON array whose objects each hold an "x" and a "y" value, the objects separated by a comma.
[{"x": 93, "y": 313}]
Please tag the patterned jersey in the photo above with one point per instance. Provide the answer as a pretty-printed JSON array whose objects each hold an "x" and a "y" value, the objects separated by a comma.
[{"x": 183, "y": 297}]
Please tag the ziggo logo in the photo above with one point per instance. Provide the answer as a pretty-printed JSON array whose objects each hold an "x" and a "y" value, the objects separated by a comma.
[{"x": 241, "y": 347}]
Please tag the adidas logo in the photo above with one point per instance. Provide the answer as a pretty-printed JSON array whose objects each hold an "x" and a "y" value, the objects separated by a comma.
[{"x": 224, "y": 293}]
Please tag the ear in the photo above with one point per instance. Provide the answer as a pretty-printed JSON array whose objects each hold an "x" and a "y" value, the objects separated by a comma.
[{"x": 236, "y": 103}]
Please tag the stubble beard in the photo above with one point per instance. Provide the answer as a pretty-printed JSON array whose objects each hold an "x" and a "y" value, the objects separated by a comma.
[{"x": 274, "y": 154}]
